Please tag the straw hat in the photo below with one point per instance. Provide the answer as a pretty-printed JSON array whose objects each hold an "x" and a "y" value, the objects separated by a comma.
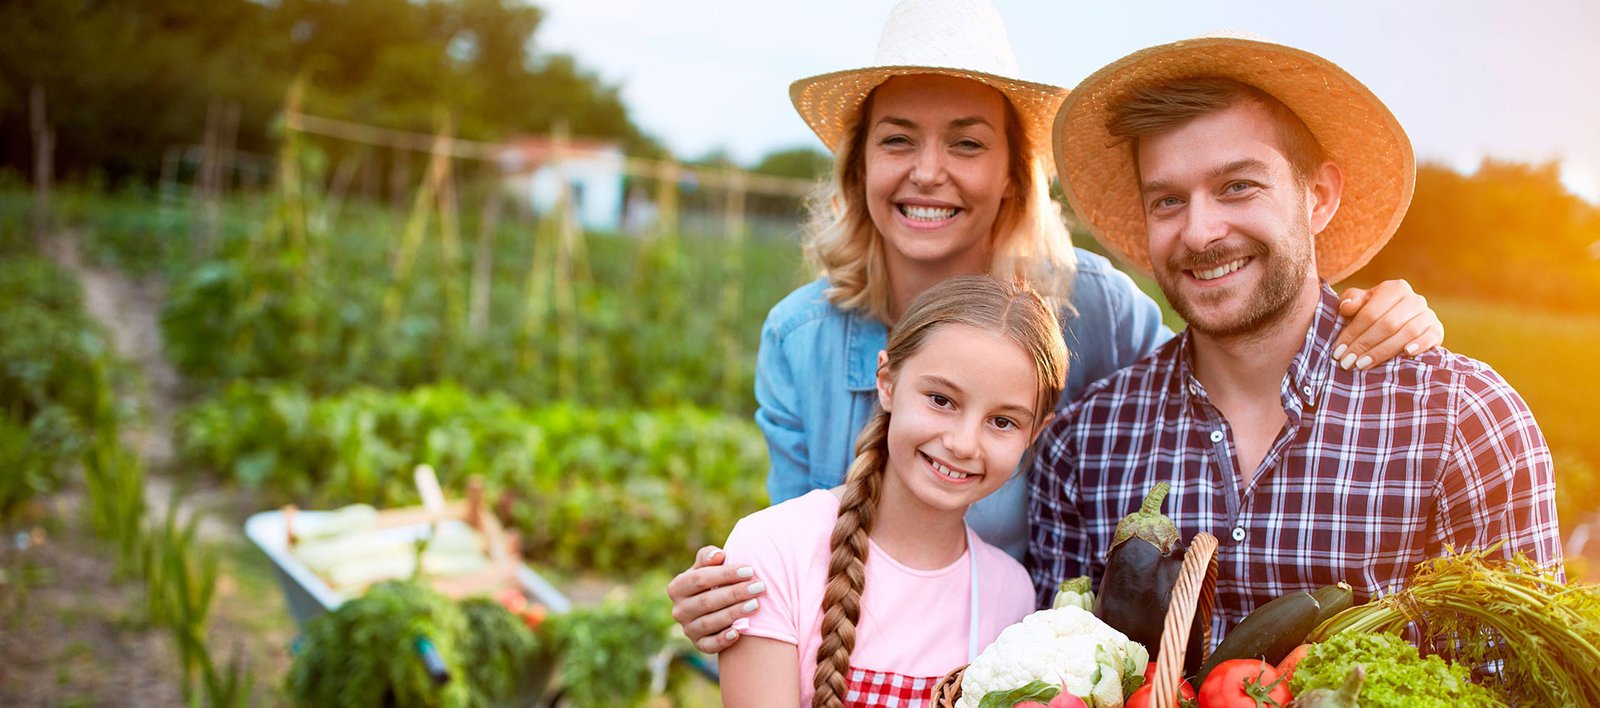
[
  {"x": 1354, "y": 128},
  {"x": 962, "y": 38}
]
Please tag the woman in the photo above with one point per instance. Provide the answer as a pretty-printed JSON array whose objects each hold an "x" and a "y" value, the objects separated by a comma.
[{"x": 941, "y": 169}]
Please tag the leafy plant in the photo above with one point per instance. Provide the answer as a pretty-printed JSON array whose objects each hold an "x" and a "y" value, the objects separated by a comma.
[
  {"x": 611, "y": 654},
  {"x": 607, "y": 490},
  {"x": 368, "y": 651}
]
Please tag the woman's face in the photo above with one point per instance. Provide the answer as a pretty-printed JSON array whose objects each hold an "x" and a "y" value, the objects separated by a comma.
[{"x": 936, "y": 159}]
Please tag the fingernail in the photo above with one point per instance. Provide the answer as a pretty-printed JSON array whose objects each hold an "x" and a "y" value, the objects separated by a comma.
[
  {"x": 731, "y": 634},
  {"x": 1347, "y": 361},
  {"x": 1411, "y": 348},
  {"x": 1345, "y": 301},
  {"x": 1338, "y": 352},
  {"x": 712, "y": 555},
  {"x": 757, "y": 587},
  {"x": 745, "y": 572},
  {"x": 751, "y": 606},
  {"x": 1364, "y": 362}
]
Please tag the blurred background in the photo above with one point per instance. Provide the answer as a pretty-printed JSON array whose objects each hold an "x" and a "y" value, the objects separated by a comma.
[{"x": 260, "y": 252}]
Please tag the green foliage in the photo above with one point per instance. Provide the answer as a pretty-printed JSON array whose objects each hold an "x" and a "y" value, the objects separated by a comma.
[
  {"x": 502, "y": 648},
  {"x": 1471, "y": 235},
  {"x": 125, "y": 80},
  {"x": 610, "y": 652},
  {"x": 662, "y": 322},
  {"x": 800, "y": 163},
  {"x": 55, "y": 373},
  {"x": 1396, "y": 675},
  {"x": 366, "y": 652},
  {"x": 605, "y": 489}
]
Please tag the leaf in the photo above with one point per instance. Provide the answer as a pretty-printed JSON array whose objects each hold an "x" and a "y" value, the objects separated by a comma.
[{"x": 1033, "y": 691}]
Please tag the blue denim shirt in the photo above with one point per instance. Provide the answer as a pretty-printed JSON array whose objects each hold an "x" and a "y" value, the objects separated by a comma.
[{"x": 816, "y": 378}]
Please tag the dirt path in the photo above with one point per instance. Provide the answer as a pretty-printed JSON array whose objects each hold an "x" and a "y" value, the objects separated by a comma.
[{"x": 75, "y": 636}]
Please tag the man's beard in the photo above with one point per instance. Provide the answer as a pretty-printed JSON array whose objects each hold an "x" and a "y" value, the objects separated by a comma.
[{"x": 1283, "y": 276}]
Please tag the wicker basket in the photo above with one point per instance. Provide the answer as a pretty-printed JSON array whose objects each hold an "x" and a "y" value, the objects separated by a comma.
[{"x": 1194, "y": 592}]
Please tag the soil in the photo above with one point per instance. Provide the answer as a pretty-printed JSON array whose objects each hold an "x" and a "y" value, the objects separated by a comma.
[{"x": 71, "y": 631}]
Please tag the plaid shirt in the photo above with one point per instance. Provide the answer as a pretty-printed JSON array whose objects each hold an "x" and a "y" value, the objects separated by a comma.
[{"x": 1373, "y": 472}]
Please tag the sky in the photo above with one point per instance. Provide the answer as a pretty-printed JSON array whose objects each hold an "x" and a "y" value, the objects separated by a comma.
[{"x": 1467, "y": 78}]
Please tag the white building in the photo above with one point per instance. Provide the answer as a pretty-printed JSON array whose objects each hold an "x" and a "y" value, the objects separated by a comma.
[{"x": 592, "y": 169}]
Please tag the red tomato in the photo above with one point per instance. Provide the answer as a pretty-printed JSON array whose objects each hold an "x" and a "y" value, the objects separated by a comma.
[{"x": 1244, "y": 683}]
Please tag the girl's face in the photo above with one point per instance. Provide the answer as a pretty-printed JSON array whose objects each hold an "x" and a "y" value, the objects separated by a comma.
[
  {"x": 963, "y": 414},
  {"x": 936, "y": 159}
]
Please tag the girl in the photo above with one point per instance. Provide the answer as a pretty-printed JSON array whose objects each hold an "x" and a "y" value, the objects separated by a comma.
[
  {"x": 878, "y": 588},
  {"x": 941, "y": 168}
]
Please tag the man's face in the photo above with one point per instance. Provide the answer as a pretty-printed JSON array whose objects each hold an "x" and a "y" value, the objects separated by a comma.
[{"x": 1230, "y": 226}]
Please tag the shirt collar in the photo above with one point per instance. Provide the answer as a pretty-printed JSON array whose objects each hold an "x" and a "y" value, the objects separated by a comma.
[{"x": 1306, "y": 380}]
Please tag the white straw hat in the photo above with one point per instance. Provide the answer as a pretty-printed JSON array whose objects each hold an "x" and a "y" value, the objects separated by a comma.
[
  {"x": 961, "y": 38},
  {"x": 1354, "y": 128}
]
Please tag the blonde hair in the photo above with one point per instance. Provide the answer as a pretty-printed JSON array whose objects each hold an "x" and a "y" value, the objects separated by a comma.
[
  {"x": 978, "y": 301},
  {"x": 1031, "y": 244}
]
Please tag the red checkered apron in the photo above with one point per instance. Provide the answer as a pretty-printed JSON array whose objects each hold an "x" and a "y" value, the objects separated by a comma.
[
  {"x": 875, "y": 689},
  {"x": 882, "y": 689}
]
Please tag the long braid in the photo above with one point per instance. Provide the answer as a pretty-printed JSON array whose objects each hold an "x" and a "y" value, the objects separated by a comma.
[{"x": 841, "y": 602}]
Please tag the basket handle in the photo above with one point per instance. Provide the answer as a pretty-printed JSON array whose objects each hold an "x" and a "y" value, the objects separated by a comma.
[{"x": 1194, "y": 591}]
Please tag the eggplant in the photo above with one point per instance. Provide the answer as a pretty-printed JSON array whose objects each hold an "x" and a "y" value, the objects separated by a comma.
[{"x": 1142, "y": 566}]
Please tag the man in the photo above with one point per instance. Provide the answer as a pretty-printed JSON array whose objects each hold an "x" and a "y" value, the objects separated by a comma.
[{"x": 1244, "y": 176}]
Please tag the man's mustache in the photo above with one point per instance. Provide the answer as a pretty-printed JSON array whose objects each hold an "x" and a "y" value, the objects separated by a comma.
[{"x": 1215, "y": 256}]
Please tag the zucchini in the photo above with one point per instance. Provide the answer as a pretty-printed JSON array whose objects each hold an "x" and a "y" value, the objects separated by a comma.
[
  {"x": 1269, "y": 633},
  {"x": 1332, "y": 600}
]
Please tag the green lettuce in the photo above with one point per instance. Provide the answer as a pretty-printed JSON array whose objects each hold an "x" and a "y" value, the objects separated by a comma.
[{"x": 1396, "y": 674}]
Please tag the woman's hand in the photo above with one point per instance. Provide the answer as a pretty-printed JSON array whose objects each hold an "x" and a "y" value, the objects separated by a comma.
[
  {"x": 1389, "y": 320},
  {"x": 709, "y": 596}
]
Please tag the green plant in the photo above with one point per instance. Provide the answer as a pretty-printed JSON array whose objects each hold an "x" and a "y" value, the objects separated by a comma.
[
  {"x": 369, "y": 651},
  {"x": 613, "y": 653},
  {"x": 607, "y": 490}
]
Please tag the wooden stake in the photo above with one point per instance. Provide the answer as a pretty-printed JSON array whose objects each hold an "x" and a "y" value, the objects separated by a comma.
[
  {"x": 426, "y": 200},
  {"x": 483, "y": 262},
  {"x": 200, "y": 231},
  {"x": 44, "y": 148}
]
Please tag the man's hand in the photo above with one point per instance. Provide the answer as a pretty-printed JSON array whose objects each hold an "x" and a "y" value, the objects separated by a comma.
[
  {"x": 709, "y": 596},
  {"x": 1389, "y": 320}
]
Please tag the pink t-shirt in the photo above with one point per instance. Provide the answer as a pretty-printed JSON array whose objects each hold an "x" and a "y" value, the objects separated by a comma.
[{"x": 914, "y": 623}]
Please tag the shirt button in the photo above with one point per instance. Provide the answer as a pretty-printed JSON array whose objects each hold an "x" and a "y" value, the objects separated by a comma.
[
  {"x": 1238, "y": 533},
  {"x": 1216, "y": 436}
]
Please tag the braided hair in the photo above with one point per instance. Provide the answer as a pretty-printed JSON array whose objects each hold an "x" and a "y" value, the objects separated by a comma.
[{"x": 978, "y": 301}]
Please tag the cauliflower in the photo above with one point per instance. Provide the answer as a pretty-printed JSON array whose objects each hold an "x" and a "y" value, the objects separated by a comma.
[{"x": 1066, "y": 646}]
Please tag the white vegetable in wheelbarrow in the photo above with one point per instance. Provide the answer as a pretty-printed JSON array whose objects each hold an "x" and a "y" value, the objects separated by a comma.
[{"x": 1064, "y": 646}]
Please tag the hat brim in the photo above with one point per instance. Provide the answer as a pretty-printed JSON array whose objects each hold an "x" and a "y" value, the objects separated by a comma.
[
  {"x": 1354, "y": 128},
  {"x": 831, "y": 103}
]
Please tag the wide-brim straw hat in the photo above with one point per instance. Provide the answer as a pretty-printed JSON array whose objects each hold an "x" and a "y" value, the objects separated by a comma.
[
  {"x": 961, "y": 38},
  {"x": 1354, "y": 128}
]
